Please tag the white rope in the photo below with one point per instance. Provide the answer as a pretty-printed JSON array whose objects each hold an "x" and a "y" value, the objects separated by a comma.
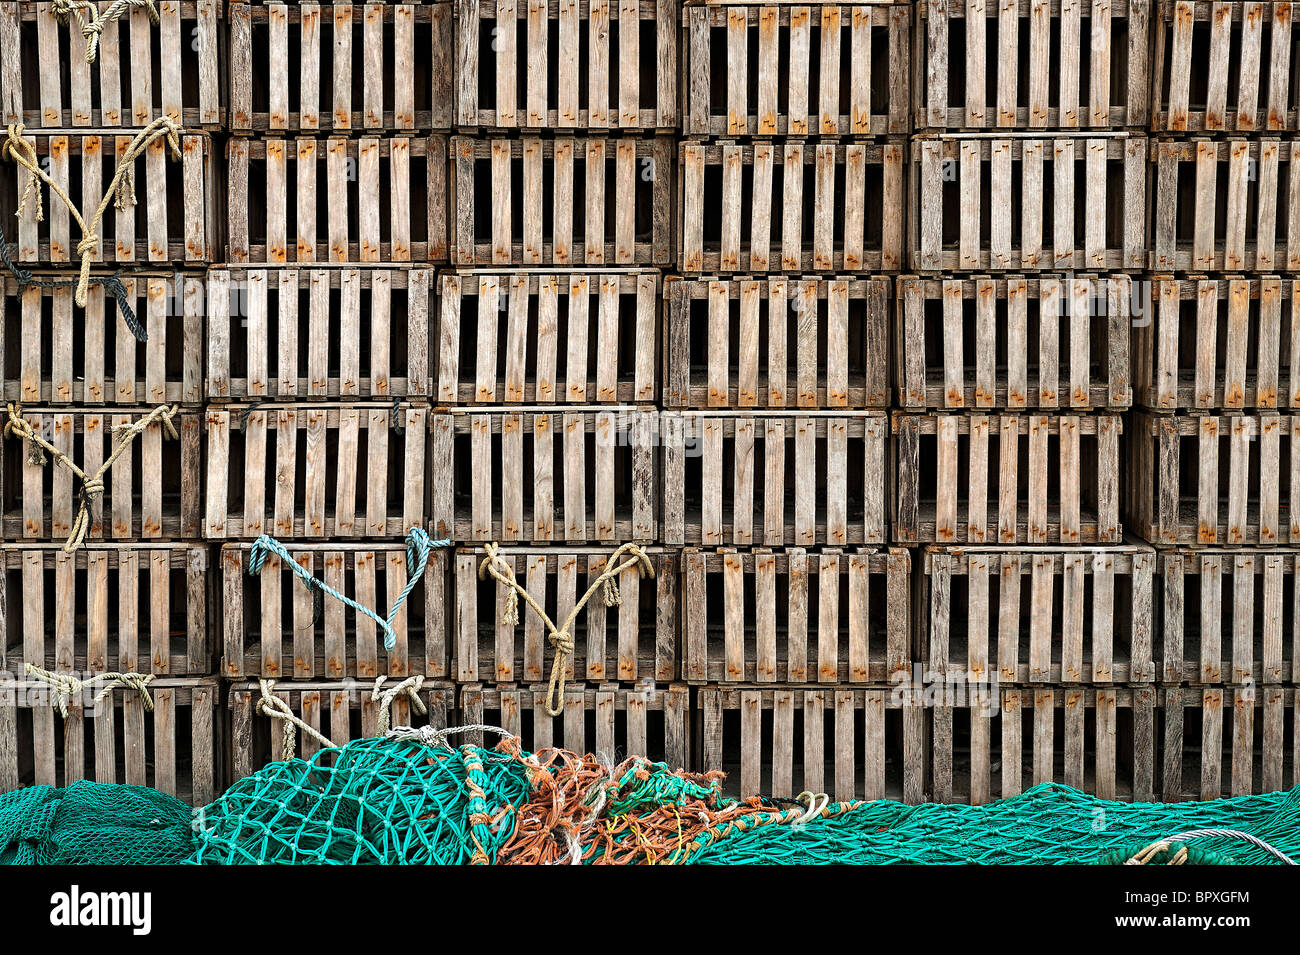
[
  {"x": 277, "y": 709},
  {"x": 410, "y": 686},
  {"x": 432, "y": 736},
  {"x": 1231, "y": 834}
]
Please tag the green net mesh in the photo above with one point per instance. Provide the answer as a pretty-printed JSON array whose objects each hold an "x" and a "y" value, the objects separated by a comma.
[
  {"x": 402, "y": 800},
  {"x": 94, "y": 823}
]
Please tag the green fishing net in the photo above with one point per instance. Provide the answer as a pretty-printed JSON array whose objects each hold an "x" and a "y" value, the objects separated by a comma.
[{"x": 93, "y": 823}]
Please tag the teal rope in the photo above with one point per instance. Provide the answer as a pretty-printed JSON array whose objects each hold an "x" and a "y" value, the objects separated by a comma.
[{"x": 418, "y": 546}]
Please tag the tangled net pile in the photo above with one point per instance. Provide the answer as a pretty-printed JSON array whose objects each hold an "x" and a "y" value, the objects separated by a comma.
[{"x": 411, "y": 797}]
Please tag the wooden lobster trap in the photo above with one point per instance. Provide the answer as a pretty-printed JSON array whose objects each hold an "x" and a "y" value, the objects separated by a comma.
[
  {"x": 1229, "y": 741},
  {"x": 592, "y": 201},
  {"x": 141, "y": 70},
  {"x": 151, "y": 492},
  {"x": 371, "y": 66},
  {"x": 1213, "y": 479},
  {"x": 821, "y": 69},
  {"x": 344, "y": 470},
  {"x": 990, "y": 615},
  {"x": 996, "y": 744},
  {"x": 318, "y": 332},
  {"x": 822, "y": 342},
  {"x": 341, "y": 711},
  {"x": 1228, "y": 616},
  {"x": 275, "y": 625},
  {"x": 1219, "y": 343},
  {"x": 1071, "y": 202},
  {"x": 513, "y": 337},
  {"x": 95, "y": 610},
  {"x": 776, "y": 478},
  {"x": 993, "y": 342},
  {"x": 1033, "y": 64},
  {"x": 1007, "y": 479},
  {"x": 567, "y": 64},
  {"x": 54, "y": 353},
  {"x": 1226, "y": 205},
  {"x": 546, "y": 475},
  {"x": 172, "y": 743},
  {"x": 797, "y": 206},
  {"x": 633, "y": 641},
  {"x": 337, "y": 213},
  {"x": 1225, "y": 67},
  {"x": 848, "y": 743},
  {"x": 608, "y": 721},
  {"x": 793, "y": 617},
  {"x": 169, "y": 218}
]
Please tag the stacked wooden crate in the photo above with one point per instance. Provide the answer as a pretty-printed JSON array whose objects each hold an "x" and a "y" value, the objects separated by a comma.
[
  {"x": 1028, "y": 232},
  {"x": 795, "y": 610},
  {"x": 318, "y": 371},
  {"x": 1212, "y": 474},
  {"x": 545, "y": 437},
  {"x": 132, "y": 597}
]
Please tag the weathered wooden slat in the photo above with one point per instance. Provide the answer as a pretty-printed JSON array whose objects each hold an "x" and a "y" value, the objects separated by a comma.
[
  {"x": 1224, "y": 760},
  {"x": 932, "y": 505}
]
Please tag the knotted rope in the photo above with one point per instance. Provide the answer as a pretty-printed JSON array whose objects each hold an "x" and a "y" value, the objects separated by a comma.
[
  {"x": 433, "y": 736},
  {"x": 92, "y": 22},
  {"x": 410, "y": 687},
  {"x": 119, "y": 188},
  {"x": 92, "y": 487},
  {"x": 559, "y": 637},
  {"x": 275, "y": 708},
  {"x": 65, "y": 686},
  {"x": 418, "y": 546},
  {"x": 1180, "y": 857}
]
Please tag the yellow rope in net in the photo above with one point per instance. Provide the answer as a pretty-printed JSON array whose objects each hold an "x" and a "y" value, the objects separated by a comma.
[
  {"x": 560, "y": 637},
  {"x": 120, "y": 190},
  {"x": 92, "y": 486}
]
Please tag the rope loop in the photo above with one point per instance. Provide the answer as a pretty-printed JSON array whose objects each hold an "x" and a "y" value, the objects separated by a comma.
[
  {"x": 496, "y": 566},
  {"x": 410, "y": 687},
  {"x": 65, "y": 687},
  {"x": 418, "y": 547},
  {"x": 275, "y": 708},
  {"x": 92, "y": 22}
]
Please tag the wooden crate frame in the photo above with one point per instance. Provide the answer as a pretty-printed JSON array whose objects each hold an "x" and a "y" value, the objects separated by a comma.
[
  {"x": 1228, "y": 742},
  {"x": 703, "y": 507},
  {"x": 355, "y": 230},
  {"x": 864, "y": 757},
  {"x": 866, "y": 55},
  {"x": 115, "y": 740},
  {"x": 341, "y": 710},
  {"x": 1083, "y": 319},
  {"x": 1233, "y": 34},
  {"x": 380, "y": 493},
  {"x": 735, "y": 188},
  {"x": 1084, "y": 509},
  {"x": 1095, "y": 74},
  {"x": 714, "y": 329},
  {"x": 842, "y": 617},
  {"x": 625, "y": 219},
  {"x": 594, "y": 475},
  {"x": 1206, "y": 640},
  {"x": 1219, "y": 344},
  {"x": 39, "y": 502},
  {"x": 1260, "y": 228},
  {"x": 634, "y": 642},
  {"x": 262, "y": 322},
  {"x": 89, "y": 356},
  {"x": 68, "y": 92},
  {"x": 1104, "y": 175},
  {"x": 164, "y": 189},
  {"x": 1229, "y": 504},
  {"x": 607, "y": 720},
  {"x": 386, "y": 39},
  {"x": 1130, "y": 744},
  {"x": 624, "y": 82},
  {"x": 60, "y": 618},
  {"x": 1047, "y": 615},
  {"x": 508, "y": 337},
  {"x": 319, "y": 637}
]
